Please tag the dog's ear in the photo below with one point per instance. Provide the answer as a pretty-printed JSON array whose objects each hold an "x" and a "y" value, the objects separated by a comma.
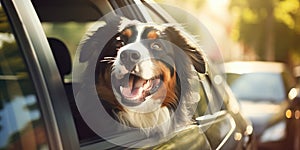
[
  {"x": 194, "y": 52},
  {"x": 95, "y": 41}
]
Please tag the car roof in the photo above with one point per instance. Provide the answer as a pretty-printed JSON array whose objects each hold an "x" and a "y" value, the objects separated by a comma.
[
  {"x": 67, "y": 10},
  {"x": 241, "y": 67}
]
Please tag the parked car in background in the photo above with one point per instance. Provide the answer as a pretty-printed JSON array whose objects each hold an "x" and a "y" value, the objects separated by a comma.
[
  {"x": 262, "y": 90},
  {"x": 297, "y": 73},
  {"x": 37, "y": 107},
  {"x": 292, "y": 120}
]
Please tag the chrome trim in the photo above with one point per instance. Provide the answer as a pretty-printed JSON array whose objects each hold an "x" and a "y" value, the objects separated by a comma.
[
  {"x": 103, "y": 6},
  {"x": 143, "y": 10},
  {"x": 232, "y": 123},
  {"x": 155, "y": 7},
  {"x": 212, "y": 119}
]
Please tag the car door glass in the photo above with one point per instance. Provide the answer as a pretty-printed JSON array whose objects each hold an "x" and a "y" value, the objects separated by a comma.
[
  {"x": 216, "y": 122},
  {"x": 266, "y": 86},
  {"x": 215, "y": 101},
  {"x": 21, "y": 121},
  {"x": 217, "y": 127}
]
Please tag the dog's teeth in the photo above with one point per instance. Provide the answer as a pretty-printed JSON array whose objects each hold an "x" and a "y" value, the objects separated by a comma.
[{"x": 147, "y": 85}]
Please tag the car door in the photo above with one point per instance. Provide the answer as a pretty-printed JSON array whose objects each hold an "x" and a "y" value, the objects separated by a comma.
[
  {"x": 217, "y": 123},
  {"x": 223, "y": 124},
  {"x": 33, "y": 93}
]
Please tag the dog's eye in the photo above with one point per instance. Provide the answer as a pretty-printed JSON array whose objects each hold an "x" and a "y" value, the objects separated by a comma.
[
  {"x": 119, "y": 42},
  {"x": 156, "y": 46}
]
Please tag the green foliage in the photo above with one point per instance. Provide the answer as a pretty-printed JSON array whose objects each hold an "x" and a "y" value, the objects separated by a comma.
[
  {"x": 196, "y": 4},
  {"x": 69, "y": 32},
  {"x": 258, "y": 19},
  {"x": 4, "y": 26}
]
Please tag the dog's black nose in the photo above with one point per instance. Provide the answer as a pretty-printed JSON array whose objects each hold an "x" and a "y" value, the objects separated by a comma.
[{"x": 130, "y": 57}]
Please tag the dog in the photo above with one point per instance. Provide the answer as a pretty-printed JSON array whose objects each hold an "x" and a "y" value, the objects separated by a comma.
[{"x": 144, "y": 75}]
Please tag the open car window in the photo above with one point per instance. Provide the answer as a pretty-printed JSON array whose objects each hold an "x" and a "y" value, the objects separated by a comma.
[{"x": 72, "y": 34}]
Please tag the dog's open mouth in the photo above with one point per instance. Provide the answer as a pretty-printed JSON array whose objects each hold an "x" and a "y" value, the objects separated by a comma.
[{"x": 134, "y": 89}]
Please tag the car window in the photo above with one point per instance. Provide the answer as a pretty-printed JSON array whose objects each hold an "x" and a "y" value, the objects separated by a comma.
[
  {"x": 213, "y": 98},
  {"x": 70, "y": 33},
  {"x": 202, "y": 107},
  {"x": 266, "y": 86},
  {"x": 213, "y": 119},
  {"x": 21, "y": 120},
  {"x": 66, "y": 32}
]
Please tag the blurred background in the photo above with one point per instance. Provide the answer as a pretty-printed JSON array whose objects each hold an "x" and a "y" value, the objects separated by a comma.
[{"x": 267, "y": 30}]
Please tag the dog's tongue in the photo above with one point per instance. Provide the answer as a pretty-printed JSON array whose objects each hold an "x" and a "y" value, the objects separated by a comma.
[
  {"x": 132, "y": 94},
  {"x": 135, "y": 87}
]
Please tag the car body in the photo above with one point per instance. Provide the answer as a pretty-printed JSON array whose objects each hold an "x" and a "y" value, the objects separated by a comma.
[
  {"x": 292, "y": 115},
  {"x": 37, "y": 108},
  {"x": 296, "y": 72},
  {"x": 262, "y": 90},
  {"x": 291, "y": 120}
]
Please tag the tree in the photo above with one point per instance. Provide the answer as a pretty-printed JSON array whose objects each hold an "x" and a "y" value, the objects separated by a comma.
[{"x": 270, "y": 27}]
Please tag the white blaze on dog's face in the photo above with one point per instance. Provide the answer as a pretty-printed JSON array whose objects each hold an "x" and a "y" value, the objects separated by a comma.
[{"x": 144, "y": 71}]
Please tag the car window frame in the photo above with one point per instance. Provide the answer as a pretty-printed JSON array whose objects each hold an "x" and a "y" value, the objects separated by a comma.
[
  {"x": 37, "y": 54},
  {"x": 136, "y": 5},
  {"x": 136, "y": 10}
]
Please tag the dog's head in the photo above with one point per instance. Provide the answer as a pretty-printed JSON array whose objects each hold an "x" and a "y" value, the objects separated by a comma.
[{"x": 138, "y": 68}]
